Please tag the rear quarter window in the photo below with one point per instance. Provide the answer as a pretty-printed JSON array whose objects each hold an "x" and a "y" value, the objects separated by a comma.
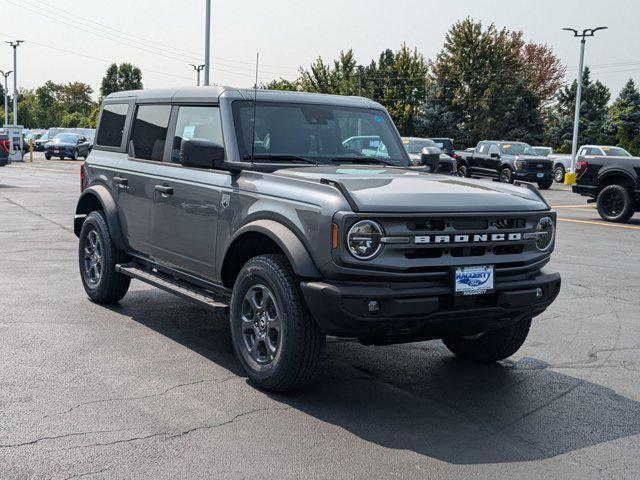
[{"x": 111, "y": 127}]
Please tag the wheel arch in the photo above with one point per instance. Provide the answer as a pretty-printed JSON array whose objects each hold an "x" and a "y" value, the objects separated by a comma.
[
  {"x": 264, "y": 237},
  {"x": 97, "y": 197},
  {"x": 615, "y": 177}
]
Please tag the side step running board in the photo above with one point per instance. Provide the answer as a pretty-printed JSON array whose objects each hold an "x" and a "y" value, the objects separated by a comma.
[{"x": 172, "y": 285}]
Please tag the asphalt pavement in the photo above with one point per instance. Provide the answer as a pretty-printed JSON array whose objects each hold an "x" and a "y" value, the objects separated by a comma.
[{"x": 150, "y": 388}]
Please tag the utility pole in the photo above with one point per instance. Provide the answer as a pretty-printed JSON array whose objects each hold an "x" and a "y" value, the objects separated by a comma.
[
  {"x": 6, "y": 96},
  {"x": 570, "y": 177},
  {"x": 360, "y": 69},
  {"x": 15, "y": 46},
  {"x": 198, "y": 69},
  {"x": 207, "y": 43}
]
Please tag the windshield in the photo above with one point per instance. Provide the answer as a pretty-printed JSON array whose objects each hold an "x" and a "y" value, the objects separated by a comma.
[
  {"x": 316, "y": 133},
  {"x": 544, "y": 151},
  {"x": 516, "y": 149},
  {"x": 66, "y": 138},
  {"x": 415, "y": 146},
  {"x": 615, "y": 152}
]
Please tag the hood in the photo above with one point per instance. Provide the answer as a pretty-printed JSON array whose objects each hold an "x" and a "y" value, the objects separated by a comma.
[
  {"x": 54, "y": 144},
  {"x": 382, "y": 189}
]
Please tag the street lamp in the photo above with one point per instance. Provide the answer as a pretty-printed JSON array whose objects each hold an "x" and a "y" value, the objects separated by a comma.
[
  {"x": 15, "y": 46},
  {"x": 6, "y": 96},
  {"x": 198, "y": 68},
  {"x": 570, "y": 178}
]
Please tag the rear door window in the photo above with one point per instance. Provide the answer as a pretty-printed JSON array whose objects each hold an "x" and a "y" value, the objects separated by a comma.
[
  {"x": 150, "y": 131},
  {"x": 196, "y": 122},
  {"x": 112, "y": 123}
]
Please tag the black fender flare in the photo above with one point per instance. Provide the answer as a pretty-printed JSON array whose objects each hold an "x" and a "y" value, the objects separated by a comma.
[
  {"x": 615, "y": 172},
  {"x": 99, "y": 196},
  {"x": 295, "y": 251}
]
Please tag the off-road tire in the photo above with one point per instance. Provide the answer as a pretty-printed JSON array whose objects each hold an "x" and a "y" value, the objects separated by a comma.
[
  {"x": 506, "y": 175},
  {"x": 463, "y": 171},
  {"x": 112, "y": 286},
  {"x": 625, "y": 199},
  {"x": 48, "y": 157},
  {"x": 300, "y": 342},
  {"x": 545, "y": 185},
  {"x": 491, "y": 346}
]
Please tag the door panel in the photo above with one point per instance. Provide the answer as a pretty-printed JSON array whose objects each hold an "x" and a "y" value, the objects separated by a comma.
[{"x": 185, "y": 218}]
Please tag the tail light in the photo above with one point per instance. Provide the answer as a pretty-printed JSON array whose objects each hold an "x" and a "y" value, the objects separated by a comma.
[
  {"x": 82, "y": 178},
  {"x": 454, "y": 156},
  {"x": 581, "y": 167},
  {"x": 6, "y": 146}
]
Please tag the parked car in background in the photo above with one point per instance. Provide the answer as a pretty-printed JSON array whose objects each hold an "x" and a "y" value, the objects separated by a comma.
[
  {"x": 88, "y": 133},
  {"x": 543, "y": 151},
  {"x": 67, "y": 145},
  {"x": 367, "y": 145},
  {"x": 5, "y": 148},
  {"x": 31, "y": 137},
  {"x": 612, "y": 181},
  {"x": 506, "y": 161},
  {"x": 445, "y": 144},
  {"x": 415, "y": 146},
  {"x": 40, "y": 142}
]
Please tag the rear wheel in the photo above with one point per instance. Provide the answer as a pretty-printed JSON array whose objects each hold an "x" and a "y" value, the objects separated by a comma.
[
  {"x": 490, "y": 346},
  {"x": 98, "y": 257},
  {"x": 616, "y": 203},
  {"x": 558, "y": 174},
  {"x": 274, "y": 335},
  {"x": 506, "y": 176}
]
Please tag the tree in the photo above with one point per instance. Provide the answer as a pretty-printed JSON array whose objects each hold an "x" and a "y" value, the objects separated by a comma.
[
  {"x": 74, "y": 120},
  {"x": 120, "y": 78},
  {"x": 545, "y": 71},
  {"x": 480, "y": 81},
  {"x": 622, "y": 124},
  {"x": 76, "y": 97},
  {"x": 593, "y": 112}
]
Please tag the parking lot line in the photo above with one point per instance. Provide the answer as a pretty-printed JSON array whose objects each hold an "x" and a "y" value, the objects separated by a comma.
[{"x": 603, "y": 224}]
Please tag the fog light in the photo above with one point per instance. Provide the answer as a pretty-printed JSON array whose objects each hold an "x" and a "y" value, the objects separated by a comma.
[
  {"x": 539, "y": 293},
  {"x": 373, "y": 306}
]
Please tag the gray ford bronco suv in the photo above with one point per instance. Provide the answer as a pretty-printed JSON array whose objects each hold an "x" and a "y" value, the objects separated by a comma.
[{"x": 259, "y": 208}]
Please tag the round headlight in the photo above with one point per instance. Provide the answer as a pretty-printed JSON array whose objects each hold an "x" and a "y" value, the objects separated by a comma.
[
  {"x": 545, "y": 231},
  {"x": 363, "y": 239}
]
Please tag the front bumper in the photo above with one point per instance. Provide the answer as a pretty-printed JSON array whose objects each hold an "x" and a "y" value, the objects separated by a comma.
[
  {"x": 413, "y": 312},
  {"x": 532, "y": 176},
  {"x": 57, "y": 151}
]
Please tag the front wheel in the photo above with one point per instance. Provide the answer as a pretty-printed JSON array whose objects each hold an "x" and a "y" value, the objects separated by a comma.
[
  {"x": 615, "y": 203},
  {"x": 274, "y": 335},
  {"x": 98, "y": 257},
  {"x": 545, "y": 185},
  {"x": 463, "y": 171},
  {"x": 558, "y": 174},
  {"x": 74, "y": 155},
  {"x": 506, "y": 175},
  {"x": 490, "y": 346},
  {"x": 48, "y": 157}
]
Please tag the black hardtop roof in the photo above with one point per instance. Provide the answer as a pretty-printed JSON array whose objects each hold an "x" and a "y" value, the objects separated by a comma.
[{"x": 213, "y": 94}]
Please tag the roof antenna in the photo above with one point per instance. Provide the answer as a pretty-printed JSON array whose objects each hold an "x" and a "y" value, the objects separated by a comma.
[{"x": 255, "y": 102}]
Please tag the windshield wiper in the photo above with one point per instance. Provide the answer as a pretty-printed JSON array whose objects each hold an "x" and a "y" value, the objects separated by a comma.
[
  {"x": 371, "y": 160},
  {"x": 276, "y": 156}
]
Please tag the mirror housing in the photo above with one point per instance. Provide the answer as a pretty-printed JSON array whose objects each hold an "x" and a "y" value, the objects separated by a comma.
[
  {"x": 201, "y": 153},
  {"x": 495, "y": 155},
  {"x": 430, "y": 157}
]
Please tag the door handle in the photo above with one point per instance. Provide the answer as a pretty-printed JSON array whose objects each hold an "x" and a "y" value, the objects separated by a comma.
[
  {"x": 164, "y": 189},
  {"x": 120, "y": 181}
]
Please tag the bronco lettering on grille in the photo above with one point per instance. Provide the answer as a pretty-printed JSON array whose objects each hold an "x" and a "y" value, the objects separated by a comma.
[{"x": 477, "y": 238}]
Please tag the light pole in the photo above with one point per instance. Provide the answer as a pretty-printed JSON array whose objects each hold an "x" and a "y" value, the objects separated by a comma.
[
  {"x": 570, "y": 178},
  {"x": 207, "y": 42},
  {"x": 6, "y": 96},
  {"x": 197, "y": 68},
  {"x": 15, "y": 46}
]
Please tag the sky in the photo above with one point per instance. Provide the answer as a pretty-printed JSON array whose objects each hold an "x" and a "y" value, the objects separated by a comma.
[{"x": 73, "y": 40}]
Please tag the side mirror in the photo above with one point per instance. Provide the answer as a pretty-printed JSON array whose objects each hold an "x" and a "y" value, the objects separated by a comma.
[
  {"x": 495, "y": 155},
  {"x": 430, "y": 157},
  {"x": 200, "y": 153}
]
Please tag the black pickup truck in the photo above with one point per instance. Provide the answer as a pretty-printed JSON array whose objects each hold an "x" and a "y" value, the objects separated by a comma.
[
  {"x": 611, "y": 181},
  {"x": 506, "y": 161}
]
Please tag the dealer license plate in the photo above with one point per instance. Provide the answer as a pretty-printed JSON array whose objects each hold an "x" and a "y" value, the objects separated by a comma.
[
  {"x": 55, "y": 150},
  {"x": 473, "y": 280}
]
